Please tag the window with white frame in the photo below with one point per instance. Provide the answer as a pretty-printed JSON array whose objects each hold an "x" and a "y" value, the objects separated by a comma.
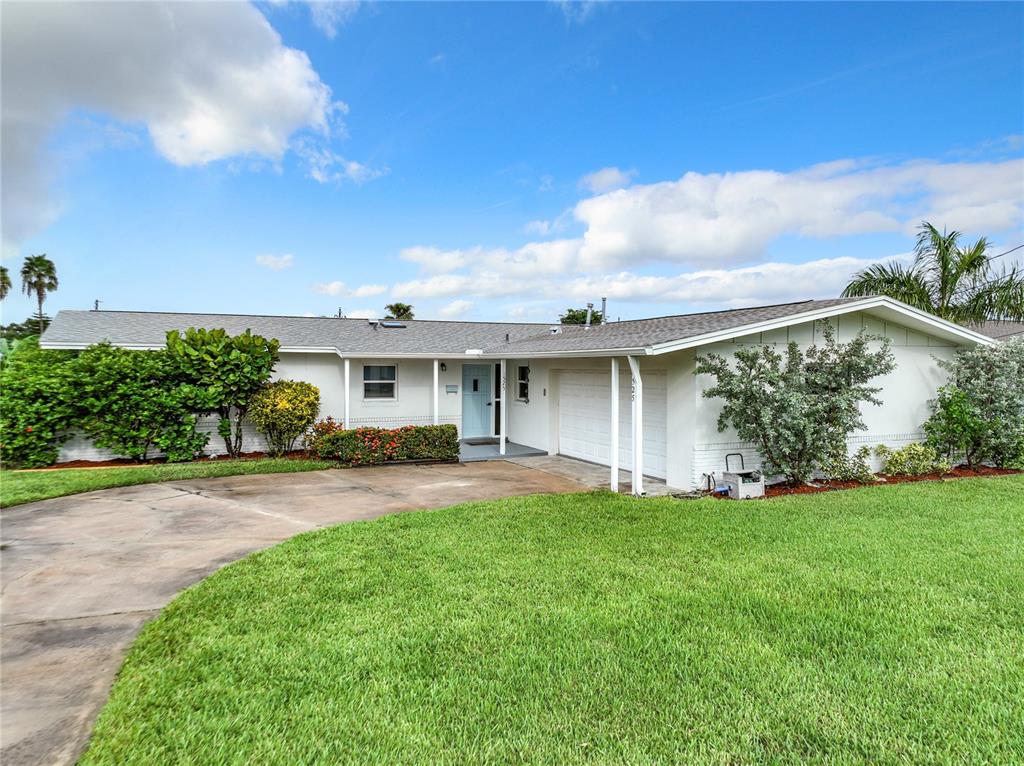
[
  {"x": 380, "y": 381},
  {"x": 523, "y": 383}
]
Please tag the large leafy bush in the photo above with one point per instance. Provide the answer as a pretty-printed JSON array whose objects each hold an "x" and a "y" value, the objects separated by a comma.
[
  {"x": 911, "y": 460},
  {"x": 37, "y": 404},
  {"x": 371, "y": 446},
  {"x": 798, "y": 409},
  {"x": 283, "y": 411},
  {"x": 227, "y": 369},
  {"x": 131, "y": 403},
  {"x": 979, "y": 416}
]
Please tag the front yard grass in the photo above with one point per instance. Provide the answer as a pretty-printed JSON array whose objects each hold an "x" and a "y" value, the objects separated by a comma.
[
  {"x": 18, "y": 487},
  {"x": 881, "y": 625}
]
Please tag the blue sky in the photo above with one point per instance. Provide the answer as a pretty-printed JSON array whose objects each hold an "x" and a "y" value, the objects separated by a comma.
[{"x": 495, "y": 161}]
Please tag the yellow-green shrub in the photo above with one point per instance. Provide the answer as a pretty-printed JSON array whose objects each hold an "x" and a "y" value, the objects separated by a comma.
[{"x": 283, "y": 411}]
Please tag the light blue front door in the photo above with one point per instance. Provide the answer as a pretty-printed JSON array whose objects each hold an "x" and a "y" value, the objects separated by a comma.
[{"x": 476, "y": 401}]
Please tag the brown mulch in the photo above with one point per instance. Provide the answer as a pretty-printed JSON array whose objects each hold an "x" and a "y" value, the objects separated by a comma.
[
  {"x": 961, "y": 472},
  {"x": 127, "y": 463}
]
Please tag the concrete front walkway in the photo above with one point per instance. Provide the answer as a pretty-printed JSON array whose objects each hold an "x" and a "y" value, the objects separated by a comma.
[{"x": 81, "y": 574}]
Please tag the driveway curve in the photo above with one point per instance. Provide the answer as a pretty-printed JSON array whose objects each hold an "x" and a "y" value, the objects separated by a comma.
[{"x": 81, "y": 574}]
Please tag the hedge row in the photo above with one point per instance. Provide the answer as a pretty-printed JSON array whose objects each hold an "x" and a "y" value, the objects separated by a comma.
[{"x": 373, "y": 446}]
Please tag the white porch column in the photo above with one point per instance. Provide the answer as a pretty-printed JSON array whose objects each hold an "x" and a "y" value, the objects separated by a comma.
[
  {"x": 638, "y": 426},
  {"x": 614, "y": 440},
  {"x": 437, "y": 413},
  {"x": 348, "y": 394},
  {"x": 503, "y": 419}
]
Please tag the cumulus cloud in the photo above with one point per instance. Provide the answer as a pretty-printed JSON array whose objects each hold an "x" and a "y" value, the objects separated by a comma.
[
  {"x": 340, "y": 289},
  {"x": 207, "y": 81},
  {"x": 455, "y": 309},
  {"x": 276, "y": 262},
  {"x": 708, "y": 219},
  {"x": 331, "y": 15},
  {"x": 606, "y": 179}
]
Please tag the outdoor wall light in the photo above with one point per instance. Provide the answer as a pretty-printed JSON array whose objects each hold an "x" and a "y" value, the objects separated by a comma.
[{"x": 444, "y": 367}]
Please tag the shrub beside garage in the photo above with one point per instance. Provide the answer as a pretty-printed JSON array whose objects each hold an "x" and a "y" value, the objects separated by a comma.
[{"x": 374, "y": 446}]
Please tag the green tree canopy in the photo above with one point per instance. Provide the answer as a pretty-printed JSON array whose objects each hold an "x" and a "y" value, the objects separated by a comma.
[
  {"x": 5, "y": 282},
  {"x": 579, "y": 316},
  {"x": 400, "y": 311},
  {"x": 961, "y": 284}
]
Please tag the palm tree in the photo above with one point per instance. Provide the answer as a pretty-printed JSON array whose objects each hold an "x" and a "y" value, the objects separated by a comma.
[
  {"x": 5, "y": 282},
  {"x": 956, "y": 283},
  {"x": 399, "y": 311},
  {"x": 38, "y": 276}
]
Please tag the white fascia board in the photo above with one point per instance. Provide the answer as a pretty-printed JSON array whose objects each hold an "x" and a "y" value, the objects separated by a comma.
[
  {"x": 881, "y": 305},
  {"x": 57, "y": 346},
  {"x": 597, "y": 352}
]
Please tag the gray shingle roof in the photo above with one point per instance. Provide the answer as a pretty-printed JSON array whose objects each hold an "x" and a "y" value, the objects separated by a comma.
[
  {"x": 639, "y": 333},
  {"x": 1000, "y": 330},
  {"x": 143, "y": 328},
  {"x": 357, "y": 336}
]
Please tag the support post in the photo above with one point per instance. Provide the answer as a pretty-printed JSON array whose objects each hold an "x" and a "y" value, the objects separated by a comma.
[
  {"x": 614, "y": 439},
  {"x": 348, "y": 396},
  {"x": 437, "y": 413},
  {"x": 503, "y": 415},
  {"x": 638, "y": 426}
]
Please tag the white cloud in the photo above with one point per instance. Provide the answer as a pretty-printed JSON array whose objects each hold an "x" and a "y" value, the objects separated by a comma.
[
  {"x": 706, "y": 219},
  {"x": 324, "y": 165},
  {"x": 276, "y": 262},
  {"x": 340, "y": 289},
  {"x": 433, "y": 260},
  {"x": 437, "y": 60},
  {"x": 331, "y": 15},
  {"x": 576, "y": 11},
  {"x": 606, "y": 179},
  {"x": 455, "y": 309},
  {"x": 207, "y": 81},
  {"x": 363, "y": 314}
]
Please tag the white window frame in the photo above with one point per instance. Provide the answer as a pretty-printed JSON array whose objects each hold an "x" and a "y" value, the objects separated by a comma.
[
  {"x": 520, "y": 381},
  {"x": 371, "y": 399}
]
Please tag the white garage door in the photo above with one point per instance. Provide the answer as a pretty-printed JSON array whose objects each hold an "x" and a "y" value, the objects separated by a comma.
[{"x": 584, "y": 413}]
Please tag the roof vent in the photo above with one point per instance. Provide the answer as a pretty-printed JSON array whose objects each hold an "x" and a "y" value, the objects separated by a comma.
[
  {"x": 556, "y": 329},
  {"x": 391, "y": 323}
]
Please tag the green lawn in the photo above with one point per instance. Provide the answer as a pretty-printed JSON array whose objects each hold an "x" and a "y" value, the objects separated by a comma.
[
  {"x": 882, "y": 625},
  {"x": 26, "y": 486}
]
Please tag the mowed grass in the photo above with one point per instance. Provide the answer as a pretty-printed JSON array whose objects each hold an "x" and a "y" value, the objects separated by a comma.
[
  {"x": 883, "y": 625},
  {"x": 18, "y": 487}
]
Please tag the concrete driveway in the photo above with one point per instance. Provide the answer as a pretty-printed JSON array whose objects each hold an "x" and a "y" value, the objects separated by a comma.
[{"x": 81, "y": 574}]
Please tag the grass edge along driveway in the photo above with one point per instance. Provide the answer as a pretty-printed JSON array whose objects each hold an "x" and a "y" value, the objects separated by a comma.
[
  {"x": 17, "y": 487},
  {"x": 880, "y": 625}
]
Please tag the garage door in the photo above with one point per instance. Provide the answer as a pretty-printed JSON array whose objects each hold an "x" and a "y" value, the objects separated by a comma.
[{"x": 584, "y": 411}]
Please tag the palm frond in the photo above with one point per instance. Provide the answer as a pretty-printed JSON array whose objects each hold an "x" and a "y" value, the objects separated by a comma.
[{"x": 892, "y": 279}]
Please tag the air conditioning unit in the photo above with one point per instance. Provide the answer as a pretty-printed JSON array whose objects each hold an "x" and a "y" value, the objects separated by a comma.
[{"x": 742, "y": 484}]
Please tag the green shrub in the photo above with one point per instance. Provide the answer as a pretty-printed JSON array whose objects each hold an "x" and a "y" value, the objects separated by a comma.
[
  {"x": 283, "y": 411},
  {"x": 372, "y": 446},
  {"x": 912, "y": 460},
  {"x": 320, "y": 431},
  {"x": 845, "y": 467},
  {"x": 979, "y": 416},
  {"x": 131, "y": 403},
  {"x": 798, "y": 409},
  {"x": 228, "y": 371},
  {"x": 37, "y": 404}
]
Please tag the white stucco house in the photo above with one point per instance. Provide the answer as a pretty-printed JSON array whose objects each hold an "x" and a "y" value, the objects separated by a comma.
[{"x": 585, "y": 392}]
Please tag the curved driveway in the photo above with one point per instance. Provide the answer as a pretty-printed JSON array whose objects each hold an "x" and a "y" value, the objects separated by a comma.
[{"x": 81, "y": 574}]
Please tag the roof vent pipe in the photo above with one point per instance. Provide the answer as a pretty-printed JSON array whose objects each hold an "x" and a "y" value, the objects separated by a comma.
[
  {"x": 590, "y": 313},
  {"x": 604, "y": 309}
]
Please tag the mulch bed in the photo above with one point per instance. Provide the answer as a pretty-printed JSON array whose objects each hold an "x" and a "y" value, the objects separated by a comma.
[{"x": 961, "y": 472}]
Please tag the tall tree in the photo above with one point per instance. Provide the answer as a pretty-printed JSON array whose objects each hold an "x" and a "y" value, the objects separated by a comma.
[
  {"x": 399, "y": 311},
  {"x": 961, "y": 284},
  {"x": 39, "y": 277},
  {"x": 579, "y": 316},
  {"x": 5, "y": 282}
]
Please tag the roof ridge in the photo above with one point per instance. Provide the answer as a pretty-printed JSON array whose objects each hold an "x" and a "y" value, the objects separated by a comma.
[{"x": 299, "y": 316}]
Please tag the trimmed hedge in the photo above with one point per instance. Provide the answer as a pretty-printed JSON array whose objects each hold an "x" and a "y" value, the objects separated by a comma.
[{"x": 373, "y": 446}]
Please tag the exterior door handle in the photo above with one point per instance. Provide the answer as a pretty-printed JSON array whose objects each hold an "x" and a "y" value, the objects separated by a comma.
[{"x": 488, "y": 404}]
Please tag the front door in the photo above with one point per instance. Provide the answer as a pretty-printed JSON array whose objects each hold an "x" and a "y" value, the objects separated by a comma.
[{"x": 476, "y": 401}]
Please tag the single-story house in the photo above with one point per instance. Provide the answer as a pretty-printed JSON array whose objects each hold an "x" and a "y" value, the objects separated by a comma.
[{"x": 585, "y": 392}]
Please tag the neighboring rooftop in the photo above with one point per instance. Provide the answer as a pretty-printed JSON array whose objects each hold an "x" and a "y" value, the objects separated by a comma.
[{"x": 1000, "y": 330}]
